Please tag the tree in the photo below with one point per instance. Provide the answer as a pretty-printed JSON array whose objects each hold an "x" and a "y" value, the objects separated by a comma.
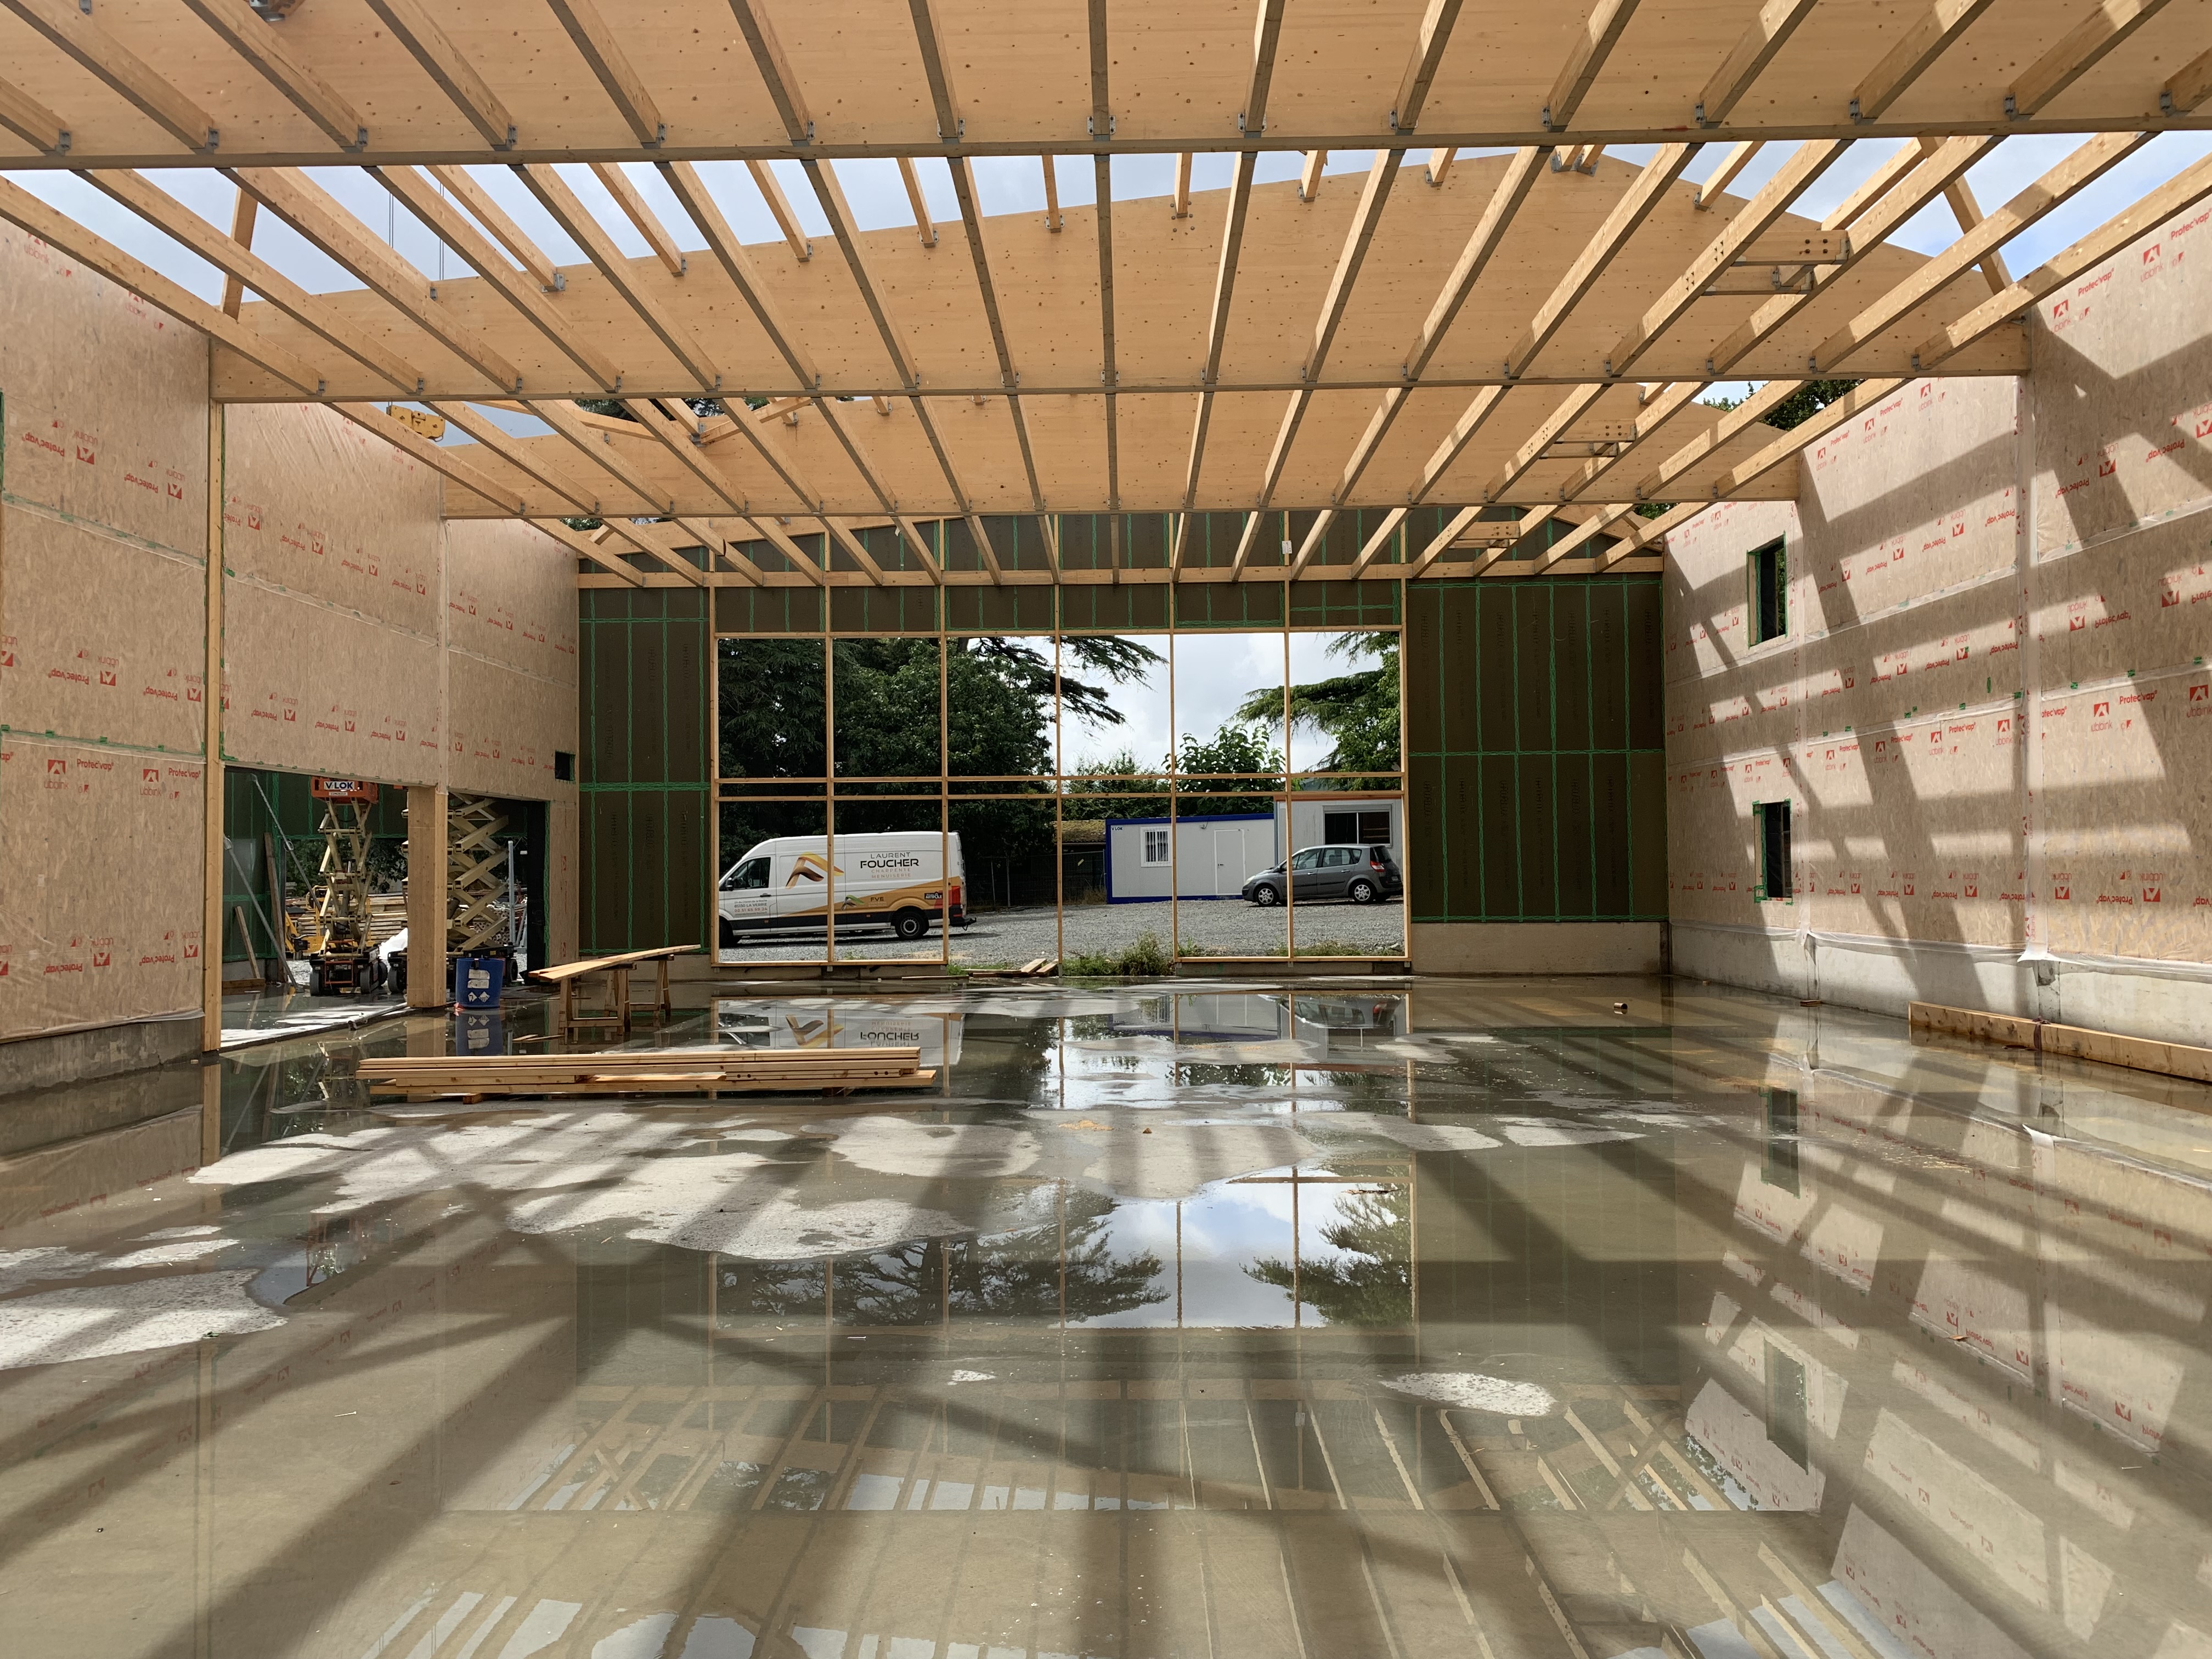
[
  {"x": 1370, "y": 1283},
  {"x": 1810, "y": 398},
  {"x": 1236, "y": 747},
  {"x": 1358, "y": 710}
]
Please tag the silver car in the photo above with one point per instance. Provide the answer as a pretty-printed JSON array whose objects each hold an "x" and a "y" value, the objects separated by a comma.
[{"x": 1322, "y": 875}]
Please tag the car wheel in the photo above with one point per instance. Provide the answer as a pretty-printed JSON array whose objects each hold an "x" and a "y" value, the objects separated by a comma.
[
  {"x": 910, "y": 924},
  {"x": 1362, "y": 892},
  {"x": 1266, "y": 897}
]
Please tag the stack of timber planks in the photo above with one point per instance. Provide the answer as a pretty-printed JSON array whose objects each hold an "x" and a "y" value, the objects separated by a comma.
[{"x": 713, "y": 1070}]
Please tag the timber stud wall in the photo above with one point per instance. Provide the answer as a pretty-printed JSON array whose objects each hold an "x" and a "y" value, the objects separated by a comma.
[{"x": 1535, "y": 781}]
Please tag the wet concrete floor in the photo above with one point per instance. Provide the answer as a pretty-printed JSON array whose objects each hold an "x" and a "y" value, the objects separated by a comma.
[{"x": 1387, "y": 1318}]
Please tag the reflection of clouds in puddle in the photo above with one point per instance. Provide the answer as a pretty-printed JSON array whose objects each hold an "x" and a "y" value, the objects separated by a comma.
[
  {"x": 594, "y": 1169},
  {"x": 929, "y": 1151},
  {"x": 89, "y": 1321},
  {"x": 1473, "y": 1391}
]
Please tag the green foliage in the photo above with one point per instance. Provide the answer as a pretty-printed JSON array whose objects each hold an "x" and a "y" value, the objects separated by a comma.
[
  {"x": 1810, "y": 398},
  {"x": 1371, "y": 1282},
  {"x": 1654, "y": 509},
  {"x": 1356, "y": 710},
  {"x": 1147, "y": 958}
]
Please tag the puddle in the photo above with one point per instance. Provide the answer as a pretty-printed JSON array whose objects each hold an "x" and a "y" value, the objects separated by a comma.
[{"x": 1445, "y": 1318}]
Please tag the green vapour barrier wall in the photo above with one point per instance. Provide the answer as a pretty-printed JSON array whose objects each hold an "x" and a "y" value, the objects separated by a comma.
[
  {"x": 643, "y": 769},
  {"x": 1536, "y": 766}
]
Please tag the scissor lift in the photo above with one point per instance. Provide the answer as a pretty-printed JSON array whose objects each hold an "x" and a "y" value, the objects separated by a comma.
[{"x": 342, "y": 958}]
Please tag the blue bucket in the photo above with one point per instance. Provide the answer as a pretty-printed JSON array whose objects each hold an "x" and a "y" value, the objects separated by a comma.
[{"x": 477, "y": 981}]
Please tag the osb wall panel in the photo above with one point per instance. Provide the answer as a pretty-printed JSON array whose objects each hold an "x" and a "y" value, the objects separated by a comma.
[
  {"x": 104, "y": 469},
  {"x": 564, "y": 881},
  {"x": 2124, "y": 424},
  {"x": 312, "y": 504},
  {"x": 110, "y": 930},
  {"x": 106, "y": 638},
  {"x": 505, "y": 727},
  {"x": 106, "y": 400},
  {"x": 309, "y": 687},
  {"x": 1887, "y": 715},
  {"x": 511, "y": 597},
  {"x": 2121, "y": 602}
]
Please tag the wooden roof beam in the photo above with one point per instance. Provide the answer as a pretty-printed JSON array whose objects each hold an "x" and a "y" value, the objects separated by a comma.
[
  {"x": 243, "y": 211},
  {"x": 774, "y": 69},
  {"x": 316, "y": 214},
  {"x": 1266, "y": 37},
  {"x": 1968, "y": 212},
  {"x": 1767, "y": 204},
  {"x": 922, "y": 222},
  {"x": 520, "y": 289},
  {"x": 1755, "y": 49},
  {"x": 1569, "y": 409},
  {"x": 2087, "y": 164},
  {"x": 57, "y": 230},
  {"x": 1600, "y": 34},
  {"x": 2082, "y": 49},
  {"x": 1908, "y": 155},
  {"x": 72, "y": 31},
  {"x": 1935, "y": 32},
  {"x": 2190, "y": 85},
  {"x": 1659, "y": 408},
  {"x": 1751, "y": 412},
  {"x": 592, "y": 36},
  {"x": 831, "y": 196},
  {"x": 32, "y": 121},
  {"x": 526, "y": 458},
  {"x": 2176, "y": 196},
  {"x": 261, "y": 44},
  {"x": 937, "y": 72},
  {"x": 1179, "y": 199},
  {"x": 1430, "y": 43},
  {"x": 433, "y": 49},
  {"x": 684, "y": 447},
  {"x": 797, "y": 556},
  {"x": 461, "y": 185},
  {"x": 1352, "y": 255},
  {"x": 1217, "y": 326},
  {"x": 691, "y": 190},
  {"x": 599, "y": 449},
  {"x": 647, "y": 222},
  {"x": 841, "y": 533},
  {"x": 1522, "y": 171},
  {"x": 779, "y": 207},
  {"x": 1109, "y": 373},
  {"x": 1738, "y": 157},
  {"x": 1054, "y": 220},
  {"x": 1944, "y": 167},
  {"x": 584, "y": 547},
  {"x": 1439, "y": 167},
  {"x": 720, "y": 546},
  {"x": 553, "y": 193},
  {"x": 971, "y": 224},
  {"x": 1309, "y": 174},
  {"x": 240, "y": 265},
  {"x": 445, "y": 458},
  {"x": 1636, "y": 206}
]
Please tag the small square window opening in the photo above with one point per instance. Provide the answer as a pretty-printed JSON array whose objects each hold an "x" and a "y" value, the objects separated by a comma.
[{"x": 1156, "y": 846}]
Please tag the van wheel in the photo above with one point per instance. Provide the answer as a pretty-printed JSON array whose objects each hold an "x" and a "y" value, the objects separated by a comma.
[
  {"x": 910, "y": 924},
  {"x": 1362, "y": 892},
  {"x": 1266, "y": 897}
]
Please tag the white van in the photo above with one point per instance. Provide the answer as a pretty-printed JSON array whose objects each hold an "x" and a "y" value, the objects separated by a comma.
[{"x": 897, "y": 881}]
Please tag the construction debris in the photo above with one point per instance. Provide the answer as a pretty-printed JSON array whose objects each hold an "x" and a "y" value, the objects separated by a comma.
[
  {"x": 714, "y": 1071},
  {"x": 1037, "y": 970}
]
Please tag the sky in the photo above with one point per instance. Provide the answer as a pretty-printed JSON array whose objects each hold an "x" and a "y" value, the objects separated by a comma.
[
  {"x": 1015, "y": 185},
  {"x": 1213, "y": 673}
]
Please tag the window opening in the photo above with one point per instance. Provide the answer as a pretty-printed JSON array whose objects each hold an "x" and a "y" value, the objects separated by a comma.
[
  {"x": 1785, "y": 1405},
  {"x": 1782, "y": 1140},
  {"x": 1772, "y": 820},
  {"x": 1362, "y": 828},
  {"x": 1770, "y": 592},
  {"x": 1156, "y": 846}
]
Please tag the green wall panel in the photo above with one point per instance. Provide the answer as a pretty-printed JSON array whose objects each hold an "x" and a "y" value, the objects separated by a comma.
[
  {"x": 1536, "y": 762},
  {"x": 643, "y": 771}
]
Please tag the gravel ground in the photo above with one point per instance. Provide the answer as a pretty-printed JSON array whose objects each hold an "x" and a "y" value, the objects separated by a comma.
[{"x": 1219, "y": 926}]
